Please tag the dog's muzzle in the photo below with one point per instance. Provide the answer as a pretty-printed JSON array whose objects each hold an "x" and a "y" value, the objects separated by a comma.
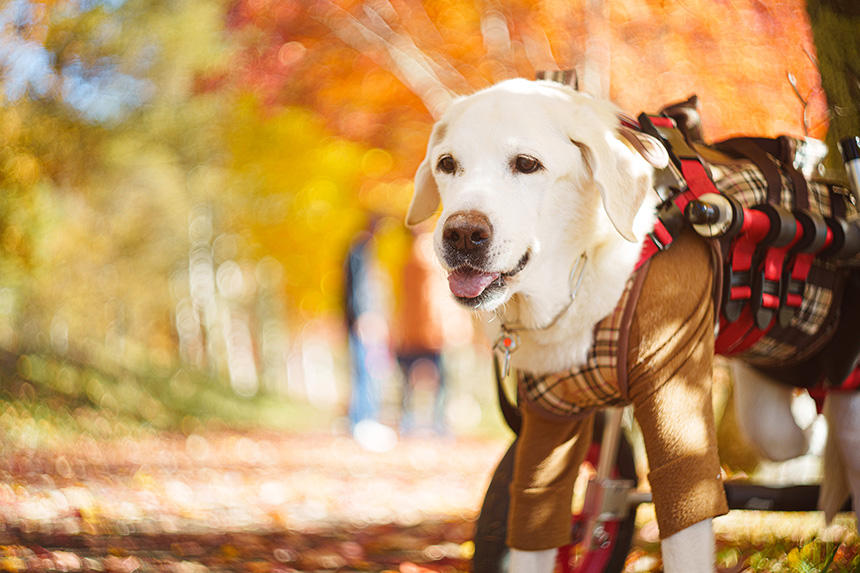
[
  {"x": 467, "y": 235},
  {"x": 466, "y": 238}
]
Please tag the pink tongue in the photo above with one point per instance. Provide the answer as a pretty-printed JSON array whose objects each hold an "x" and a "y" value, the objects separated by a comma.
[{"x": 469, "y": 283}]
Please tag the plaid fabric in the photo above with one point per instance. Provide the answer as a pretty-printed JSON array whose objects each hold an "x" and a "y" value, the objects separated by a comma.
[
  {"x": 813, "y": 322},
  {"x": 592, "y": 385},
  {"x": 596, "y": 383},
  {"x": 744, "y": 182}
]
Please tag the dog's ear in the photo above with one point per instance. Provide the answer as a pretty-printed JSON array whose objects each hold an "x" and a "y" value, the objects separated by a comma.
[
  {"x": 621, "y": 175},
  {"x": 647, "y": 146},
  {"x": 425, "y": 197}
]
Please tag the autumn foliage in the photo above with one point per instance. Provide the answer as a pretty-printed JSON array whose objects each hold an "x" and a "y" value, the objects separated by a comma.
[
  {"x": 376, "y": 72},
  {"x": 278, "y": 128},
  {"x": 366, "y": 67}
]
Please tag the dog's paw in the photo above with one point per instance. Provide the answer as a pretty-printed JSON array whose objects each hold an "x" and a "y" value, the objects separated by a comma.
[{"x": 532, "y": 561}]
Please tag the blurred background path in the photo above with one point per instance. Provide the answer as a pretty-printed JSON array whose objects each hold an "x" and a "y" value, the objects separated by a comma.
[
  {"x": 255, "y": 501},
  {"x": 263, "y": 501}
]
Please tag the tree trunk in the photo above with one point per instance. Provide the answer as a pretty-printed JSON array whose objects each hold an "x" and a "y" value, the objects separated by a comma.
[{"x": 835, "y": 25}]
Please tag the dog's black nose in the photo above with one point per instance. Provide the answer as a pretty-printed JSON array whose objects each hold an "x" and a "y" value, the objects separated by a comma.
[{"x": 467, "y": 232}]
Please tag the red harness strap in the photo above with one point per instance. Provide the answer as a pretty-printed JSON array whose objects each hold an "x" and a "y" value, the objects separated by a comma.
[
  {"x": 751, "y": 302},
  {"x": 755, "y": 228},
  {"x": 772, "y": 274},
  {"x": 770, "y": 251},
  {"x": 657, "y": 240},
  {"x": 777, "y": 285},
  {"x": 816, "y": 237},
  {"x": 850, "y": 384},
  {"x": 690, "y": 170},
  {"x": 799, "y": 272},
  {"x": 785, "y": 233},
  {"x": 737, "y": 336},
  {"x": 737, "y": 328},
  {"x": 753, "y": 299}
]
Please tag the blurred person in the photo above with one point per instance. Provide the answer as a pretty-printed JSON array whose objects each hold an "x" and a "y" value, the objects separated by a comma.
[
  {"x": 420, "y": 333},
  {"x": 368, "y": 340}
]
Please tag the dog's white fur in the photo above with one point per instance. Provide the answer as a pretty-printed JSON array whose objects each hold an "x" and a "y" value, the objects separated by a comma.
[
  {"x": 764, "y": 412},
  {"x": 592, "y": 197},
  {"x": 599, "y": 183},
  {"x": 763, "y": 407}
]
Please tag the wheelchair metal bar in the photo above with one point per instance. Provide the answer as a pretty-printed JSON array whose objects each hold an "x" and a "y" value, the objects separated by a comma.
[
  {"x": 609, "y": 443},
  {"x": 771, "y": 498}
]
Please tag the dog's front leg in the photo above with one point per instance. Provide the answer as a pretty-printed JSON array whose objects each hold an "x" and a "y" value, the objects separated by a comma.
[
  {"x": 547, "y": 460},
  {"x": 671, "y": 391},
  {"x": 532, "y": 561},
  {"x": 690, "y": 550}
]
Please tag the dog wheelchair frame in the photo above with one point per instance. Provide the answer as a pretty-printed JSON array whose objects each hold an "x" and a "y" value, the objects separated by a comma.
[{"x": 602, "y": 529}]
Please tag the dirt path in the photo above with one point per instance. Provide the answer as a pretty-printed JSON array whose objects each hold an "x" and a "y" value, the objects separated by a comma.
[
  {"x": 267, "y": 502},
  {"x": 242, "y": 502}
]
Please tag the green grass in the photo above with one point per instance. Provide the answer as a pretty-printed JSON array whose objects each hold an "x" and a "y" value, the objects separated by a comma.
[{"x": 49, "y": 398}]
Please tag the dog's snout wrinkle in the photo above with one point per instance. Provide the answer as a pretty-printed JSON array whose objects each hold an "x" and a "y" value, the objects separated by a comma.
[{"x": 467, "y": 232}]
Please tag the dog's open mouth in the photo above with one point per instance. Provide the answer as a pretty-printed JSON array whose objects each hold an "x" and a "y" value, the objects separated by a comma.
[{"x": 472, "y": 286}]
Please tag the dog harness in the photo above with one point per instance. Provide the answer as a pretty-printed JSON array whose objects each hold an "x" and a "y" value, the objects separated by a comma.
[
  {"x": 781, "y": 249},
  {"x": 785, "y": 249},
  {"x": 602, "y": 380}
]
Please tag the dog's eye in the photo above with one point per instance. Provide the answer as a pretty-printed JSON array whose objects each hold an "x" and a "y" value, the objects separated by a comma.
[
  {"x": 446, "y": 164},
  {"x": 527, "y": 164}
]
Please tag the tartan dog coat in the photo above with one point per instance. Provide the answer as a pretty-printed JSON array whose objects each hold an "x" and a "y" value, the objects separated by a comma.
[{"x": 602, "y": 380}]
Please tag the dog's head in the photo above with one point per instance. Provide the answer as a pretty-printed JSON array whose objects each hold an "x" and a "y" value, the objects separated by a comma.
[{"x": 527, "y": 172}]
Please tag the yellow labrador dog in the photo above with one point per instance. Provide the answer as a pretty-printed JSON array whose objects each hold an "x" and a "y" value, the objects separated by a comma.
[{"x": 545, "y": 208}]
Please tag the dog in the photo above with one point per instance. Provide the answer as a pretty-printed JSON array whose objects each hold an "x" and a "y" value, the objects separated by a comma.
[{"x": 546, "y": 201}]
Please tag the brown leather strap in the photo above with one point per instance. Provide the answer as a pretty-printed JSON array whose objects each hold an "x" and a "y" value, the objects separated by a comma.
[
  {"x": 511, "y": 414},
  {"x": 749, "y": 148},
  {"x": 788, "y": 149},
  {"x": 765, "y": 153}
]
